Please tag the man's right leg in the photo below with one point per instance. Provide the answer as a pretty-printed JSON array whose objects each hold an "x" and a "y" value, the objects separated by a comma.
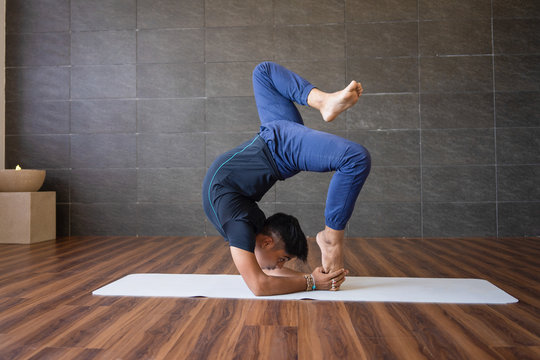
[
  {"x": 276, "y": 89},
  {"x": 332, "y": 104}
]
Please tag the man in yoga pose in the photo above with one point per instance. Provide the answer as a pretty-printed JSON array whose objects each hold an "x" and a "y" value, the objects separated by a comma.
[{"x": 238, "y": 179}]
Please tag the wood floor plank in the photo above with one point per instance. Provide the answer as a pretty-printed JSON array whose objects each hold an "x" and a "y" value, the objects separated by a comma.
[
  {"x": 267, "y": 343},
  {"x": 248, "y": 346},
  {"x": 189, "y": 334},
  {"x": 25, "y": 312},
  {"x": 150, "y": 335},
  {"x": 375, "y": 320},
  {"x": 518, "y": 352},
  {"x": 66, "y": 354},
  {"x": 43, "y": 329},
  {"x": 438, "y": 328},
  {"x": 136, "y": 317},
  {"x": 163, "y": 335},
  {"x": 381, "y": 334},
  {"x": 218, "y": 331},
  {"x": 524, "y": 315},
  {"x": 489, "y": 326},
  {"x": 220, "y": 335},
  {"x": 96, "y": 321},
  {"x": 272, "y": 313},
  {"x": 326, "y": 331},
  {"x": 395, "y": 348}
]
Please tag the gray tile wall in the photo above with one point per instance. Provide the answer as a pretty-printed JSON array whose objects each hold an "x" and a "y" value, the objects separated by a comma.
[{"x": 127, "y": 102}]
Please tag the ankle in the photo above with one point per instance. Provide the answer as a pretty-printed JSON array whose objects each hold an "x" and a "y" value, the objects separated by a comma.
[
  {"x": 316, "y": 99},
  {"x": 333, "y": 237}
]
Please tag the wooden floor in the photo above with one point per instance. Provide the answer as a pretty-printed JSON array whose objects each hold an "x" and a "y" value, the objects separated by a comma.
[{"x": 47, "y": 310}]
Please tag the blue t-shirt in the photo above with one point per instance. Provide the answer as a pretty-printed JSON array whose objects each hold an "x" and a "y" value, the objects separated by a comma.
[{"x": 233, "y": 185}]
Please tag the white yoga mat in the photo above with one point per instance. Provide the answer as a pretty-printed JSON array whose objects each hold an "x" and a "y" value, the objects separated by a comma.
[{"x": 385, "y": 289}]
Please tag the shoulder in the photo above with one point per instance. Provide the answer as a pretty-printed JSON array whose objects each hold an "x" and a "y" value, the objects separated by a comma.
[{"x": 240, "y": 234}]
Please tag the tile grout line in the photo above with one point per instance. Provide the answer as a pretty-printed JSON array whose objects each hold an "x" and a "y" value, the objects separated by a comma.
[
  {"x": 346, "y": 63},
  {"x": 69, "y": 222},
  {"x": 494, "y": 126},
  {"x": 420, "y": 119},
  {"x": 206, "y": 224},
  {"x": 136, "y": 99}
]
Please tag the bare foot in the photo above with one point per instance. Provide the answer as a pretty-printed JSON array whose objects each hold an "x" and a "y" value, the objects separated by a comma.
[
  {"x": 335, "y": 103},
  {"x": 331, "y": 243}
]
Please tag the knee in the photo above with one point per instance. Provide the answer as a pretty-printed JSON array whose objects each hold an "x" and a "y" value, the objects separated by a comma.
[
  {"x": 359, "y": 159},
  {"x": 262, "y": 69}
]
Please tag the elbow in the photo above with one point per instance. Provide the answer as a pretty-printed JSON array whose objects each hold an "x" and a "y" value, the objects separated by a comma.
[{"x": 259, "y": 288}]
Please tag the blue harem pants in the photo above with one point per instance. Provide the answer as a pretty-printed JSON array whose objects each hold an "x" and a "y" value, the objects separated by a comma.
[{"x": 296, "y": 148}]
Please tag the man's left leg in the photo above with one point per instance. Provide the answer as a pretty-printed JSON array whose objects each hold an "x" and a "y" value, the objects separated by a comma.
[
  {"x": 351, "y": 163},
  {"x": 302, "y": 149}
]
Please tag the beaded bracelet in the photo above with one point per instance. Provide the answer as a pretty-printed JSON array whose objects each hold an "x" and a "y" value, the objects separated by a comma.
[
  {"x": 310, "y": 282},
  {"x": 307, "y": 282}
]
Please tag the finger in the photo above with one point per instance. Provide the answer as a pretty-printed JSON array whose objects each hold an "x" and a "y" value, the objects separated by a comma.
[
  {"x": 344, "y": 274},
  {"x": 333, "y": 284},
  {"x": 339, "y": 283},
  {"x": 334, "y": 288},
  {"x": 340, "y": 276},
  {"x": 336, "y": 273}
]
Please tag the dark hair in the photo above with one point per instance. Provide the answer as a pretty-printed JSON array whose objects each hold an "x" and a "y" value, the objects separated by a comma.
[{"x": 287, "y": 229}]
